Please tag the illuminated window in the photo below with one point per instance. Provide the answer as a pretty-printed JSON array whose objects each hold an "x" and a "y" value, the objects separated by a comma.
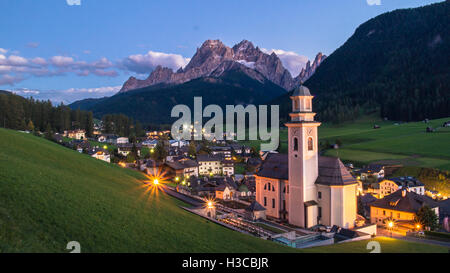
[{"x": 310, "y": 144}]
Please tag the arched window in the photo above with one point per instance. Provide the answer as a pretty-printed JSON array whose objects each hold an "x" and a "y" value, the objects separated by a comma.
[
  {"x": 310, "y": 144},
  {"x": 295, "y": 144},
  {"x": 308, "y": 104},
  {"x": 296, "y": 105},
  {"x": 265, "y": 186},
  {"x": 268, "y": 187}
]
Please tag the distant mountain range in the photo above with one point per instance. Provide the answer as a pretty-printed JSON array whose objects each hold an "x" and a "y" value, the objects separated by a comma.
[
  {"x": 396, "y": 64},
  {"x": 214, "y": 58},
  {"x": 235, "y": 85},
  {"x": 222, "y": 75}
]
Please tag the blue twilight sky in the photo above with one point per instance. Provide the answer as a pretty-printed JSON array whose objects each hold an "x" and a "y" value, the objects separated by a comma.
[{"x": 58, "y": 50}]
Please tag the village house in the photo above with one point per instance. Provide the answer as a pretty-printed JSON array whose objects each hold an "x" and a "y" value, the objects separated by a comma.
[
  {"x": 301, "y": 187},
  {"x": 125, "y": 149},
  {"x": 75, "y": 134},
  {"x": 412, "y": 183},
  {"x": 225, "y": 192},
  {"x": 106, "y": 138},
  {"x": 182, "y": 168},
  {"x": 223, "y": 151},
  {"x": 178, "y": 143},
  {"x": 380, "y": 188},
  {"x": 209, "y": 165},
  {"x": 227, "y": 167},
  {"x": 121, "y": 140},
  {"x": 255, "y": 211},
  {"x": 374, "y": 170},
  {"x": 401, "y": 206},
  {"x": 100, "y": 154},
  {"x": 151, "y": 143}
]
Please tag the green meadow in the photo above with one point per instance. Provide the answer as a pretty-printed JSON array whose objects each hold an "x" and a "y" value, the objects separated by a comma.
[
  {"x": 405, "y": 143},
  {"x": 51, "y": 195}
]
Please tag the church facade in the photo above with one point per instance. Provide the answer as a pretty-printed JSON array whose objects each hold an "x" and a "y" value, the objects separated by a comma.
[{"x": 301, "y": 187}]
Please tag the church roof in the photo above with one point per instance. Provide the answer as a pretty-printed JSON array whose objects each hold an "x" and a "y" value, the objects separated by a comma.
[
  {"x": 275, "y": 166},
  {"x": 301, "y": 91},
  {"x": 331, "y": 170}
]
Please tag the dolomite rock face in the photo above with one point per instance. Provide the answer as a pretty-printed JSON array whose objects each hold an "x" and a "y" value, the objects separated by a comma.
[
  {"x": 309, "y": 70},
  {"x": 214, "y": 58}
]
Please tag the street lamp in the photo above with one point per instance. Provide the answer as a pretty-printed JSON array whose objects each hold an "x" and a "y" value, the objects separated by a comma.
[
  {"x": 156, "y": 182},
  {"x": 390, "y": 225}
]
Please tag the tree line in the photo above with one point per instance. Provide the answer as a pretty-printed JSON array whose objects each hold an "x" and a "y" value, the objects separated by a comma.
[
  {"x": 19, "y": 113},
  {"x": 29, "y": 114}
]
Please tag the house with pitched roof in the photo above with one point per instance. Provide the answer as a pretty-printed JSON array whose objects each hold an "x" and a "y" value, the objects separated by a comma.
[
  {"x": 400, "y": 206},
  {"x": 302, "y": 187}
]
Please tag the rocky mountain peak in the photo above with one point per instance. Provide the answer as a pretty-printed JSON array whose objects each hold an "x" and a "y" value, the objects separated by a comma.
[
  {"x": 213, "y": 54},
  {"x": 309, "y": 69}
]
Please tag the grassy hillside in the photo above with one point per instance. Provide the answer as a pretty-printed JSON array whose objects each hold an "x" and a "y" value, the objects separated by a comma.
[
  {"x": 405, "y": 143},
  {"x": 50, "y": 195}
]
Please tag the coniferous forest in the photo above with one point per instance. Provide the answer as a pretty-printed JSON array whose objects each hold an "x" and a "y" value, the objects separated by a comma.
[
  {"x": 20, "y": 113},
  {"x": 396, "y": 64}
]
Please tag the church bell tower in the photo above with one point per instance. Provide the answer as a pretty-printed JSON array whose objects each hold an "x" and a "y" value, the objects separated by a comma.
[{"x": 303, "y": 160}]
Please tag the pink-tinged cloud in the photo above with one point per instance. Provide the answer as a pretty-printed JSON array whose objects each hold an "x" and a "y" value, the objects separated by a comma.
[
  {"x": 61, "y": 61},
  {"x": 148, "y": 62},
  {"x": 10, "y": 79},
  {"x": 291, "y": 61}
]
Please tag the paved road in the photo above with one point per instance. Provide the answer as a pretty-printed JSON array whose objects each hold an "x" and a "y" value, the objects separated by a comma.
[
  {"x": 182, "y": 197},
  {"x": 385, "y": 233}
]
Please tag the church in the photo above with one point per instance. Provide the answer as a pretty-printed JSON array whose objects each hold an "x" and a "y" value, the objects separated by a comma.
[{"x": 301, "y": 187}]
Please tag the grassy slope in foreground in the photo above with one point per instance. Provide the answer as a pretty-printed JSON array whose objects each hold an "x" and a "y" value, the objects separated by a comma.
[
  {"x": 50, "y": 195},
  {"x": 387, "y": 245}
]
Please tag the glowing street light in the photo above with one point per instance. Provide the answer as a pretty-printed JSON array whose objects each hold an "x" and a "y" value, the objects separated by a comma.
[
  {"x": 210, "y": 205},
  {"x": 156, "y": 182},
  {"x": 105, "y": 147},
  {"x": 390, "y": 225},
  {"x": 177, "y": 179}
]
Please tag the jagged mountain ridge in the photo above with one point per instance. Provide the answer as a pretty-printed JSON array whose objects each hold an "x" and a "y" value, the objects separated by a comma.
[{"x": 213, "y": 54}]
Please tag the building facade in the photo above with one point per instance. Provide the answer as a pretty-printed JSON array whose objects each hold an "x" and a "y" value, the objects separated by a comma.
[{"x": 301, "y": 187}]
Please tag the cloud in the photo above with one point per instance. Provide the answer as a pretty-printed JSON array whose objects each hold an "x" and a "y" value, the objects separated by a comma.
[
  {"x": 291, "y": 60},
  {"x": 68, "y": 96},
  {"x": 61, "y": 61},
  {"x": 373, "y": 2},
  {"x": 143, "y": 64},
  {"x": 3, "y": 51},
  {"x": 10, "y": 79}
]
